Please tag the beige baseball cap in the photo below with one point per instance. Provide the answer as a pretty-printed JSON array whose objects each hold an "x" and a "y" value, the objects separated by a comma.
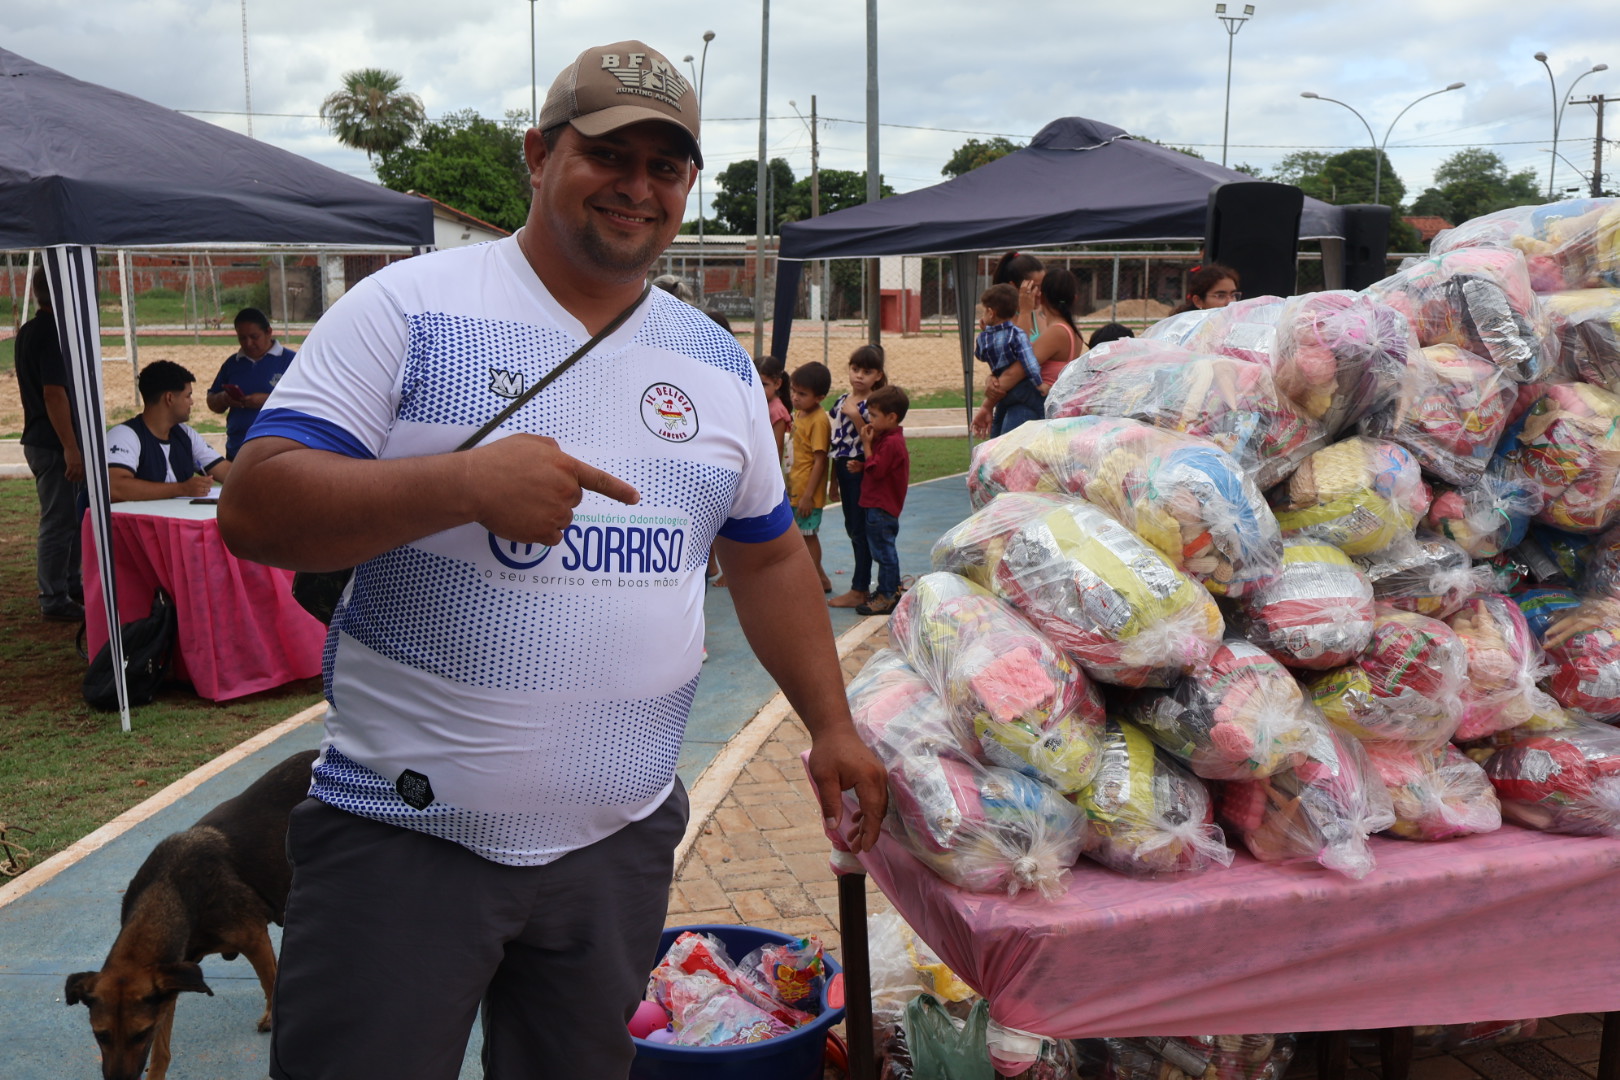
[{"x": 613, "y": 86}]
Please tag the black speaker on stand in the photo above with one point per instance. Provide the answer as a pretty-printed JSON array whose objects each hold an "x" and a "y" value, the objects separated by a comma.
[
  {"x": 1366, "y": 244},
  {"x": 1253, "y": 227}
]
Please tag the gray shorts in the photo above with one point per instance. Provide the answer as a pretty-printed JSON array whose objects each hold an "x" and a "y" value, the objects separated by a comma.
[{"x": 394, "y": 939}]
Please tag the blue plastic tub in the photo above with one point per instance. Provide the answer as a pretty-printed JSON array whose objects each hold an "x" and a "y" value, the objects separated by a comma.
[{"x": 795, "y": 1056}]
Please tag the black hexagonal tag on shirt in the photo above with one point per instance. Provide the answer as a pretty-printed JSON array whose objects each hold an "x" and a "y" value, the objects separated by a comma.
[{"x": 414, "y": 788}]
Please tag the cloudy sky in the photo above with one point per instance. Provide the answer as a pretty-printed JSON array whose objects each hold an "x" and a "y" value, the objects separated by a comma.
[{"x": 949, "y": 69}]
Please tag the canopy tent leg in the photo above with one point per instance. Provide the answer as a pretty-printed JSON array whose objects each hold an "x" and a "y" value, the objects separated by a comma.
[
  {"x": 72, "y": 273},
  {"x": 966, "y": 264},
  {"x": 28, "y": 289},
  {"x": 126, "y": 299},
  {"x": 787, "y": 298}
]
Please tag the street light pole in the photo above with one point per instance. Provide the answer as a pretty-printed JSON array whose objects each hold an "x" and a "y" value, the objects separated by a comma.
[
  {"x": 1233, "y": 23},
  {"x": 1558, "y": 110},
  {"x": 697, "y": 78},
  {"x": 815, "y": 206},
  {"x": 534, "y": 83},
  {"x": 874, "y": 187},
  {"x": 1378, "y": 148},
  {"x": 759, "y": 183}
]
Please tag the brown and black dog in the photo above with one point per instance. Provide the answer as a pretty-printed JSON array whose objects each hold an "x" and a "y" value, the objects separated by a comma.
[{"x": 214, "y": 888}]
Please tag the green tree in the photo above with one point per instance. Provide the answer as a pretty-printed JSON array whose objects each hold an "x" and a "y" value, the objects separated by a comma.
[
  {"x": 371, "y": 112},
  {"x": 1189, "y": 151},
  {"x": 1475, "y": 181},
  {"x": 1298, "y": 165},
  {"x": 734, "y": 201},
  {"x": 473, "y": 163},
  {"x": 973, "y": 153}
]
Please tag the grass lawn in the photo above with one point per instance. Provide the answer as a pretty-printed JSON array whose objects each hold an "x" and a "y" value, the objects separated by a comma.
[
  {"x": 65, "y": 770},
  {"x": 933, "y": 458}
]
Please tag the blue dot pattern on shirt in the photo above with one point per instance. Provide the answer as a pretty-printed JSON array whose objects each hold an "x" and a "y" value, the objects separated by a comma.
[
  {"x": 447, "y": 370},
  {"x": 643, "y": 736},
  {"x": 435, "y": 614}
]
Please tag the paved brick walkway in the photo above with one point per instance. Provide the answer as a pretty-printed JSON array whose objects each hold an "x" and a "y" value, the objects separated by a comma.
[{"x": 761, "y": 860}]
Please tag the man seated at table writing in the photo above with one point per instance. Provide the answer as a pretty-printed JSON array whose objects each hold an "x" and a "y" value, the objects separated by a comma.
[{"x": 156, "y": 455}]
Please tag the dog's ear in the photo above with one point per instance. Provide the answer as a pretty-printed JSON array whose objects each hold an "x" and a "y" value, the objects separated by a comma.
[
  {"x": 181, "y": 976},
  {"x": 78, "y": 986}
]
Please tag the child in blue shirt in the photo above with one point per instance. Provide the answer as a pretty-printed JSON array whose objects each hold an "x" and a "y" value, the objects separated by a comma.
[{"x": 1014, "y": 393}]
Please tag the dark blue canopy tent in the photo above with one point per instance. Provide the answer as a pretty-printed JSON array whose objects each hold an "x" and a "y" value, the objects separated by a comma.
[
  {"x": 82, "y": 166},
  {"x": 1079, "y": 181}
]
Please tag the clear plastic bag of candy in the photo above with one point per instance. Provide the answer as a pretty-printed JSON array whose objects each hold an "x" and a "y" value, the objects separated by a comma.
[
  {"x": 1030, "y": 707},
  {"x": 1148, "y": 814},
  {"x": 1586, "y": 325},
  {"x": 1405, "y": 684},
  {"x": 681, "y": 983},
  {"x": 1104, "y": 595},
  {"x": 1179, "y": 328},
  {"x": 1563, "y": 782},
  {"x": 1341, "y": 355},
  {"x": 1233, "y": 403},
  {"x": 1504, "y": 663},
  {"x": 1316, "y": 614},
  {"x": 903, "y": 966},
  {"x": 706, "y": 1011},
  {"x": 982, "y": 828},
  {"x": 1438, "y": 792},
  {"x": 1556, "y": 557},
  {"x": 1488, "y": 517},
  {"x": 1238, "y": 716},
  {"x": 793, "y": 972},
  {"x": 1322, "y": 810},
  {"x": 1571, "y": 244},
  {"x": 1182, "y": 494},
  {"x": 1425, "y": 573},
  {"x": 1450, "y": 412},
  {"x": 1566, "y": 447},
  {"x": 1478, "y": 299},
  {"x": 1601, "y": 574},
  {"x": 1244, "y": 330},
  {"x": 1360, "y": 495},
  {"x": 1583, "y": 646}
]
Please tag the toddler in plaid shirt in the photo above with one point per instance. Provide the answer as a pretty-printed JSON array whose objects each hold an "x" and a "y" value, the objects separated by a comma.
[{"x": 1014, "y": 393}]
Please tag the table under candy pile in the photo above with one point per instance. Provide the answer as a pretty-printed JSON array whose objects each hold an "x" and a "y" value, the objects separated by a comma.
[{"x": 1277, "y": 597}]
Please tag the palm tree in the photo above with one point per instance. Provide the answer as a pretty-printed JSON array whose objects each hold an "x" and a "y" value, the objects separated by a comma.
[{"x": 371, "y": 112}]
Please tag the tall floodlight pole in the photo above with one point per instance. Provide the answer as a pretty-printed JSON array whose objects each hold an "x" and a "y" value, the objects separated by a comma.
[
  {"x": 1558, "y": 102},
  {"x": 1233, "y": 24},
  {"x": 698, "y": 74},
  {"x": 815, "y": 202},
  {"x": 247, "y": 83},
  {"x": 759, "y": 183},
  {"x": 874, "y": 190},
  {"x": 534, "y": 83},
  {"x": 1378, "y": 148}
]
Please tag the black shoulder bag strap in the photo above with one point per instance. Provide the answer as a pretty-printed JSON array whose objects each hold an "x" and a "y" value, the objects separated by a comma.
[{"x": 318, "y": 592}]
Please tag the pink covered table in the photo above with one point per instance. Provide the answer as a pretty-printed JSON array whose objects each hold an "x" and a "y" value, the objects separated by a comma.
[
  {"x": 1500, "y": 926},
  {"x": 239, "y": 630}
]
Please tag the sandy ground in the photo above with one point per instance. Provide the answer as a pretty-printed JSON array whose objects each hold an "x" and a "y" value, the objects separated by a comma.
[{"x": 917, "y": 362}]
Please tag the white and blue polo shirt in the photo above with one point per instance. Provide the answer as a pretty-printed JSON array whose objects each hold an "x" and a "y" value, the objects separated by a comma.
[{"x": 538, "y": 695}]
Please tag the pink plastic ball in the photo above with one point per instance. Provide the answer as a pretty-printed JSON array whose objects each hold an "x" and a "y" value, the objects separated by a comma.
[{"x": 648, "y": 1018}]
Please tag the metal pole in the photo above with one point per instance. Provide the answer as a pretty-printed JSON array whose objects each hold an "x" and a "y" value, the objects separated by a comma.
[
  {"x": 759, "y": 182},
  {"x": 1597, "y": 151},
  {"x": 534, "y": 84},
  {"x": 1552, "y": 162},
  {"x": 1226, "y": 116},
  {"x": 1113, "y": 308},
  {"x": 874, "y": 191},
  {"x": 247, "y": 83},
  {"x": 126, "y": 299}
]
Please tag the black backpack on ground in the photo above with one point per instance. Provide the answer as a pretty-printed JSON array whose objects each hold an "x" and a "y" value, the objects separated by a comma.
[{"x": 148, "y": 651}]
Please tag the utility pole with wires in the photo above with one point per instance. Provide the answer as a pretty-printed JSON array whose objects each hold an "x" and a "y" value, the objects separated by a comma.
[
  {"x": 247, "y": 82},
  {"x": 1597, "y": 101}
]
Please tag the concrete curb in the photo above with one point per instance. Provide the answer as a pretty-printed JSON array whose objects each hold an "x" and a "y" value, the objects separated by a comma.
[
  {"x": 132, "y": 817},
  {"x": 715, "y": 782}
]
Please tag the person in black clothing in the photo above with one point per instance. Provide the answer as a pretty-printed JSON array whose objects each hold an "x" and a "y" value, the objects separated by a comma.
[{"x": 51, "y": 447}]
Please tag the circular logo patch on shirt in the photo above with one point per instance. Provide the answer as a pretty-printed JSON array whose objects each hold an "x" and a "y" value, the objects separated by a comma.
[
  {"x": 517, "y": 555},
  {"x": 669, "y": 413}
]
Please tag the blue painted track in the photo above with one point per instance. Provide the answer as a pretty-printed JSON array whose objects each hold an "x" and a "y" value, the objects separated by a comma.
[{"x": 67, "y": 924}]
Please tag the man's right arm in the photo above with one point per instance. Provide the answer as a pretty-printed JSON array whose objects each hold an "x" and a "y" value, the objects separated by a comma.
[
  {"x": 125, "y": 486},
  {"x": 300, "y": 508},
  {"x": 60, "y": 413}
]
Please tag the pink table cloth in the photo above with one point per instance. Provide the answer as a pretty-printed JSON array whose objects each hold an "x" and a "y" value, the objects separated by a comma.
[
  {"x": 239, "y": 630},
  {"x": 1499, "y": 926}
]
